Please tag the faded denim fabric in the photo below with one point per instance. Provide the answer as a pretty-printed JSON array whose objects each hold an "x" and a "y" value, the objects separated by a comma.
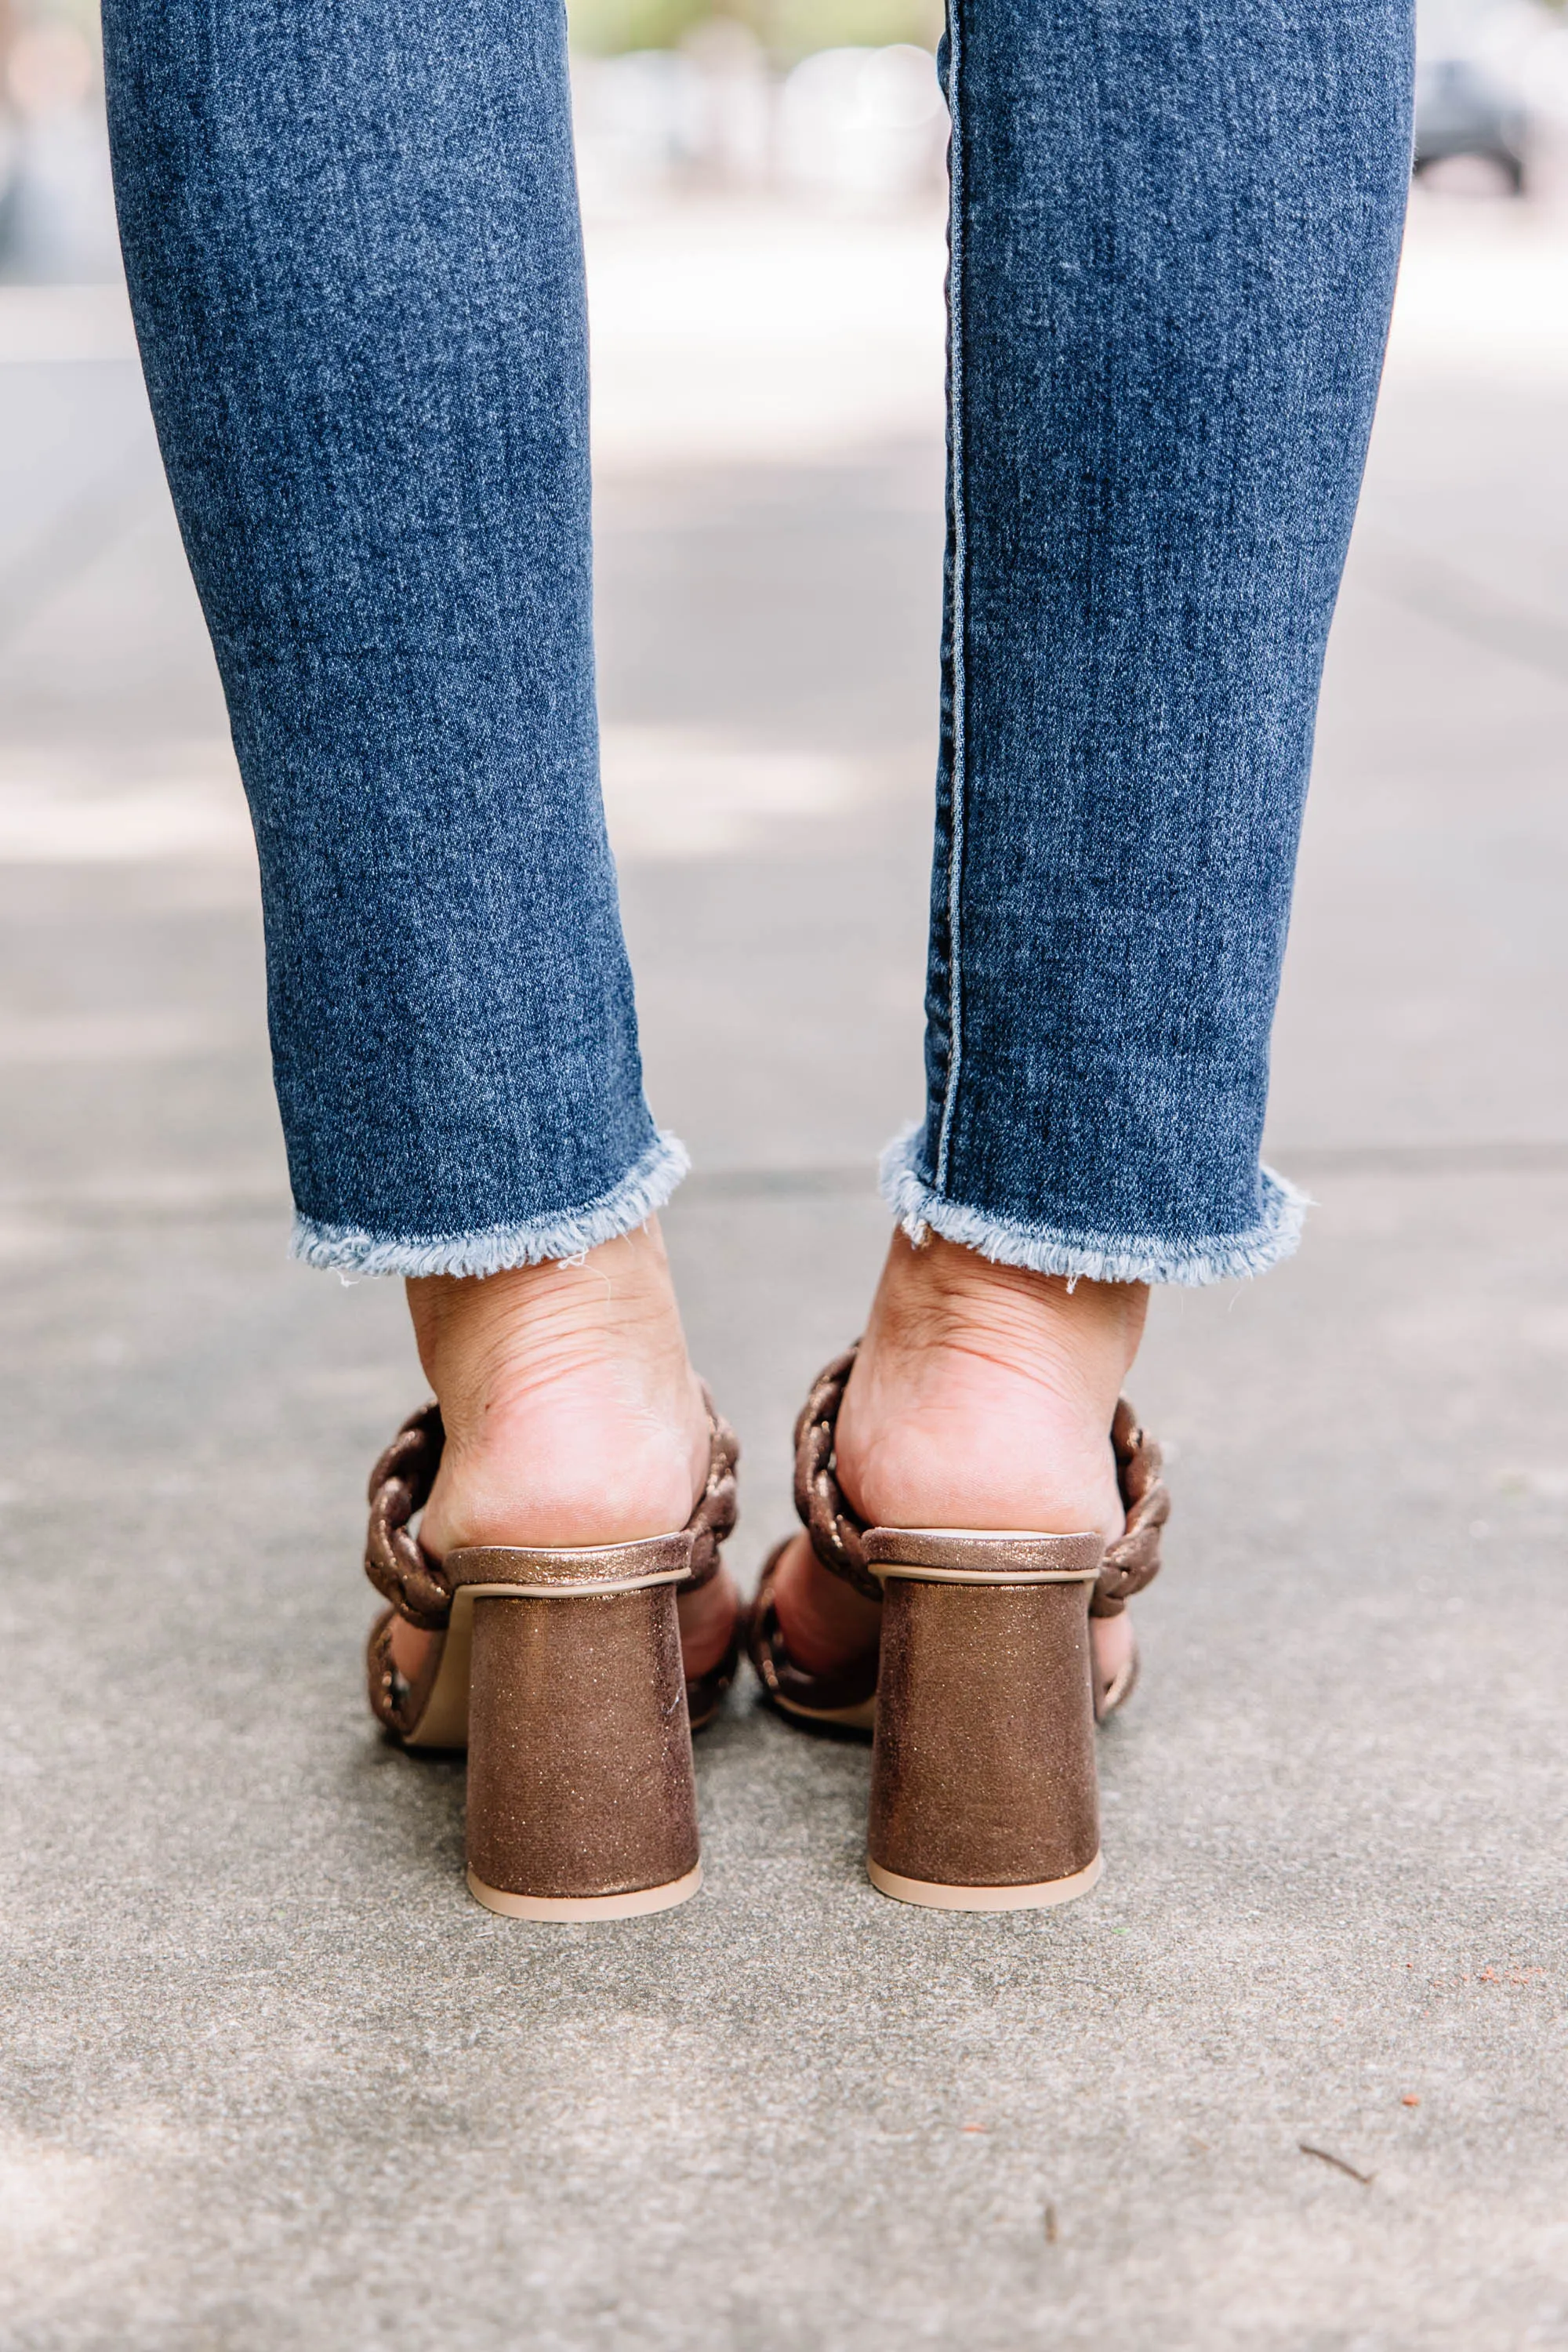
[
  {"x": 351, "y": 230},
  {"x": 351, "y": 239},
  {"x": 1174, "y": 230}
]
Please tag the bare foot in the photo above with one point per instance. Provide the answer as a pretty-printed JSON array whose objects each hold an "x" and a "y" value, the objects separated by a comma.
[
  {"x": 982, "y": 1397},
  {"x": 573, "y": 1416}
]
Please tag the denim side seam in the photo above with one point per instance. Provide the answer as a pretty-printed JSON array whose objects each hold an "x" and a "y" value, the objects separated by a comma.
[
  {"x": 957, "y": 744},
  {"x": 562, "y": 1234},
  {"x": 920, "y": 1208}
]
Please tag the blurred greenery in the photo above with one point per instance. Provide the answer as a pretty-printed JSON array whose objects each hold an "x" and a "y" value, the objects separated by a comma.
[
  {"x": 82, "y": 15},
  {"x": 787, "y": 29}
]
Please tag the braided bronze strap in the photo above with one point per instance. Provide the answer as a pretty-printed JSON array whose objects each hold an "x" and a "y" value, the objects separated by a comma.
[
  {"x": 1133, "y": 1560},
  {"x": 405, "y": 1574},
  {"x": 837, "y": 1532},
  {"x": 717, "y": 1505},
  {"x": 391, "y": 1696},
  {"x": 399, "y": 1485}
]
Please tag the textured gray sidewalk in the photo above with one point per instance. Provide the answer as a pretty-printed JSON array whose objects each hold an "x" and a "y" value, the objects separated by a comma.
[{"x": 268, "y": 2078}]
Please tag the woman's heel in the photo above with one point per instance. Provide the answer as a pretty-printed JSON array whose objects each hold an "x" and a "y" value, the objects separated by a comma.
[
  {"x": 984, "y": 1795},
  {"x": 582, "y": 1803}
]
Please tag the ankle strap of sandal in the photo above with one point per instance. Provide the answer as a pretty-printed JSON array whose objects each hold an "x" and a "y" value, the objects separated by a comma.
[
  {"x": 418, "y": 1587},
  {"x": 837, "y": 1532},
  {"x": 1133, "y": 1560}
]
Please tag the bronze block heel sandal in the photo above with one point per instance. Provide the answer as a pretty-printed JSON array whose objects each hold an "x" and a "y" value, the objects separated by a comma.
[
  {"x": 985, "y": 1793},
  {"x": 560, "y": 1671}
]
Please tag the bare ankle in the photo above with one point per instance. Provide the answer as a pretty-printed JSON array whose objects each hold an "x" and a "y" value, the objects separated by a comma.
[
  {"x": 983, "y": 1397},
  {"x": 983, "y": 1394},
  {"x": 572, "y": 1412},
  {"x": 938, "y": 1297},
  {"x": 499, "y": 1341}
]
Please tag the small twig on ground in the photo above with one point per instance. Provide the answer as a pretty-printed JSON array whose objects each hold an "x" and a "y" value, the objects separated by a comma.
[
  {"x": 1367, "y": 2179},
  {"x": 1050, "y": 2225}
]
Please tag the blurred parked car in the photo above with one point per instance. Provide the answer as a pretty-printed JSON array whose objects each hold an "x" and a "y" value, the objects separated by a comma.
[
  {"x": 57, "y": 207},
  {"x": 867, "y": 128},
  {"x": 1462, "y": 109}
]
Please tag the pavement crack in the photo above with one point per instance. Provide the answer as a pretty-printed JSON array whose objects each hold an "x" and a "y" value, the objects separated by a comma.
[{"x": 1325, "y": 2156}]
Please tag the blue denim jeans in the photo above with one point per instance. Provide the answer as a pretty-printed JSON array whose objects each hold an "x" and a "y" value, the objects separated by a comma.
[{"x": 351, "y": 237}]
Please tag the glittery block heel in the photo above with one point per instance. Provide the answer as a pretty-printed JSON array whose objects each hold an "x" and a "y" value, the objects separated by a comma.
[
  {"x": 982, "y": 1686},
  {"x": 582, "y": 1802},
  {"x": 984, "y": 1795},
  {"x": 560, "y": 1670}
]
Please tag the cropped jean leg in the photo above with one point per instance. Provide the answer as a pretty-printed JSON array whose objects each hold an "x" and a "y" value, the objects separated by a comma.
[
  {"x": 1174, "y": 236},
  {"x": 351, "y": 240},
  {"x": 351, "y": 232}
]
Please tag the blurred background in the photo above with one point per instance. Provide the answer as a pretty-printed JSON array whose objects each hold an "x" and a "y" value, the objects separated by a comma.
[
  {"x": 1353, "y": 1704},
  {"x": 834, "y": 101}
]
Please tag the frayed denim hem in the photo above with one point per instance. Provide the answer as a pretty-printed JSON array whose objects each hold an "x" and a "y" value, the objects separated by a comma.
[
  {"x": 1093, "y": 1257},
  {"x": 346, "y": 1249}
]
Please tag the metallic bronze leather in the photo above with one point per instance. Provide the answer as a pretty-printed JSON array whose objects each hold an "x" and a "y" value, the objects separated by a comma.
[
  {"x": 982, "y": 1769},
  {"x": 400, "y": 1485},
  {"x": 791, "y": 1688},
  {"x": 838, "y": 1532},
  {"x": 418, "y": 1587},
  {"x": 1133, "y": 1560},
  {"x": 579, "y": 1749},
  {"x": 705, "y": 1693},
  {"x": 394, "y": 1702},
  {"x": 667, "y": 1559},
  {"x": 399, "y": 1704},
  {"x": 717, "y": 1505},
  {"x": 990, "y": 1558},
  {"x": 580, "y": 1779}
]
